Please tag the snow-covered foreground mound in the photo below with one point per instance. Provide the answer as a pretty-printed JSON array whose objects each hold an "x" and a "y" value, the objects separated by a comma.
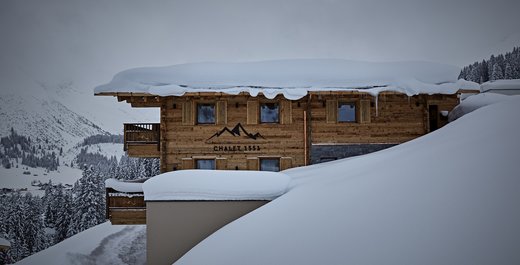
[
  {"x": 450, "y": 197},
  {"x": 101, "y": 244}
]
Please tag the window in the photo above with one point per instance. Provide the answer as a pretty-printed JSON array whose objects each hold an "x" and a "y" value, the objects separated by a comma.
[
  {"x": 206, "y": 113},
  {"x": 346, "y": 112},
  {"x": 270, "y": 164},
  {"x": 206, "y": 164},
  {"x": 269, "y": 113}
]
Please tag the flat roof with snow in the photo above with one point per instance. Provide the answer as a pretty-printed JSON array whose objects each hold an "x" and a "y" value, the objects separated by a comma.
[
  {"x": 291, "y": 78},
  {"x": 215, "y": 185},
  {"x": 508, "y": 87}
]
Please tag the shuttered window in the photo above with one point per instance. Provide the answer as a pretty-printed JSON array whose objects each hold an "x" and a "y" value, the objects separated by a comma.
[
  {"x": 286, "y": 112},
  {"x": 346, "y": 112},
  {"x": 252, "y": 112},
  {"x": 252, "y": 163},
  {"x": 270, "y": 164},
  {"x": 221, "y": 112},
  {"x": 187, "y": 163},
  {"x": 364, "y": 106},
  {"x": 187, "y": 113},
  {"x": 221, "y": 163},
  {"x": 205, "y": 164},
  {"x": 206, "y": 113},
  {"x": 269, "y": 113},
  {"x": 332, "y": 112},
  {"x": 285, "y": 163}
]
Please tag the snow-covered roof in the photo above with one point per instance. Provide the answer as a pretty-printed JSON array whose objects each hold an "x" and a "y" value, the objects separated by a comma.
[
  {"x": 215, "y": 185},
  {"x": 291, "y": 78},
  {"x": 510, "y": 84},
  {"x": 124, "y": 186}
]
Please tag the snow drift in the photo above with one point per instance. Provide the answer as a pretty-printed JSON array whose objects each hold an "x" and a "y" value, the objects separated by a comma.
[{"x": 450, "y": 197}]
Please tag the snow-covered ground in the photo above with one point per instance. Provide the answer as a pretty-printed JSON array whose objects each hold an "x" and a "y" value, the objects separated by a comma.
[
  {"x": 101, "y": 244},
  {"x": 14, "y": 178},
  {"x": 449, "y": 197}
]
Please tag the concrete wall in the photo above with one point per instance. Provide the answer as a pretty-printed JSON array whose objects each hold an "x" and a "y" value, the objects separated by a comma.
[
  {"x": 174, "y": 227},
  {"x": 324, "y": 153}
]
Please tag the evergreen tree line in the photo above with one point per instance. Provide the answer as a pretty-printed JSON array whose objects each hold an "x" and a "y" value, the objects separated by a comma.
[
  {"x": 15, "y": 147},
  {"x": 32, "y": 223},
  {"x": 497, "y": 67},
  {"x": 102, "y": 138}
]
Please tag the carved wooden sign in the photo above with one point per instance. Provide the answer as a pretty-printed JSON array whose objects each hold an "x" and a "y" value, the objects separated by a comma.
[{"x": 237, "y": 134}]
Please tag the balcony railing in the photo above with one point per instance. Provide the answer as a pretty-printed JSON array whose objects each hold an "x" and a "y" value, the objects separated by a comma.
[{"x": 142, "y": 134}]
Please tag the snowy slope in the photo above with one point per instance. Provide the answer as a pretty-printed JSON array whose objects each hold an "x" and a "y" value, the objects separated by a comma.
[
  {"x": 450, "y": 197},
  {"x": 101, "y": 244},
  {"x": 44, "y": 118}
]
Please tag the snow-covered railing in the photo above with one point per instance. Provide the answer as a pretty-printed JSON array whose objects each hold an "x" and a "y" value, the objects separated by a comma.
[{"x": 142, "y": 133}]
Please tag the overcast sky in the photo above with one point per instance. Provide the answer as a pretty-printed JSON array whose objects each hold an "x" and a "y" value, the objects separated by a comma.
[{"x": 89, "y": 41}]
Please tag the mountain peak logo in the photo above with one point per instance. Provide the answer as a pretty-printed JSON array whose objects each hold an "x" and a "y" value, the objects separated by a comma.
[{"x": 238, "y": 130}]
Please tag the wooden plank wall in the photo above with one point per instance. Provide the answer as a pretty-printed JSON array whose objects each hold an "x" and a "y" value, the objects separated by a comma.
[
  {"x": 187, "y": 141},
  {"x": 393, "y": 118}
]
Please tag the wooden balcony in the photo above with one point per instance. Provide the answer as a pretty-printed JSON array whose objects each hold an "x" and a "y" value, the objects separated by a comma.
[
  {"x": 125, "y": 208},
  {"x": 142, "y": 139}
]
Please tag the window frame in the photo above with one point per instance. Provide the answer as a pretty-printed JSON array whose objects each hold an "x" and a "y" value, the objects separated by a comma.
[
  {"x": 205, "y": 159},
  {"x": 260, "y": 112},
  {"x": 214, "y": 113},
  {"x": 260, "y": 159},
  {"x": 356, "y": 111}
]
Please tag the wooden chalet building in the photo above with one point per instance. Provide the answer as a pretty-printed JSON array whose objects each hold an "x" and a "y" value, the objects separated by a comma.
[{"x": 281, "y": 114}]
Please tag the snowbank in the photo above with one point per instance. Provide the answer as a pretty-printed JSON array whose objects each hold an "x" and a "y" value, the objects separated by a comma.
[
  {"x": 449, "y": 197},
  {"x": 216, "y": 185},
  {"x": 510, "y": 84},
  {"x": 474, "y": 102},
  {"x": 291, "y": 78},
  {"x": 124, "y": 186}
]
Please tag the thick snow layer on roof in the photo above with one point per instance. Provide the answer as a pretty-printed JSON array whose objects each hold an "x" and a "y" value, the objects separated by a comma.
[
  {"x": 291, "y": 78},
  {"x": 510, "y": 84},
  {"x": 449, "y": 197},
  {"x": 474, "y": 102},
  {"x": 4, "y": 242},
  {"x": 215, "y": 185},
  {"x": 124, "y": 186}
]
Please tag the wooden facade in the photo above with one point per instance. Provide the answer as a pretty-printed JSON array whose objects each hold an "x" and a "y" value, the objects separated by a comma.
[{"x": 237, "y": 138}]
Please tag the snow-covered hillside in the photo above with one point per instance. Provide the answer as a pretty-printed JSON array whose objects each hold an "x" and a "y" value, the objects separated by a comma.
[
  {"x": 450, "y": 197},
  {"x": 44, "y": 118}
]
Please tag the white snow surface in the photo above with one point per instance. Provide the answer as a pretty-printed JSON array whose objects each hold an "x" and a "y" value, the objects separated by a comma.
[
  {"x": 101, "y": 244},
  {"x": 504, "y": 84},
  {"x": 291, "y": 78},
  {"x": 216, "y": 185},
  {"x": 4, "y": 242},
  {"x": 124, "y": 186},
  {"x": 474, "y": 102},
  {"x": 449, "y": 197}
]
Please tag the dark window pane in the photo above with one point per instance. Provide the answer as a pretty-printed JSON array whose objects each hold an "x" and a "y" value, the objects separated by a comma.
[
  {"x": 347, "y": 112},
  {"x": 205, "y": 164},
  {"x": 270, "y": 165},
  {"x": 269, "y": 113},
  {"x": 205, "y": 113}
]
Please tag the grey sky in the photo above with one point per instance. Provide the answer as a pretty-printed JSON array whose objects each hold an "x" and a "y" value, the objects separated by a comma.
[{"x": 89, "y": 41}]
